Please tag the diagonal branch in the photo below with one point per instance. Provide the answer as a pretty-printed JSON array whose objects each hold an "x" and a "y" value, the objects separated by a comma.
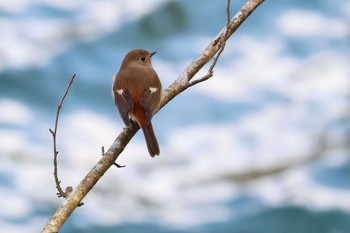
[{"x": 179, "y": 85}]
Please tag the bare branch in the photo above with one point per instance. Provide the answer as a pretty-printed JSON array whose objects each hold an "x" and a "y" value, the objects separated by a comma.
[
  {"x": 179, "y": 85},
  {"x": 60, "y": 193},
  {"x": 181, "y": 82},
  {"x": 210, "y": 72}
]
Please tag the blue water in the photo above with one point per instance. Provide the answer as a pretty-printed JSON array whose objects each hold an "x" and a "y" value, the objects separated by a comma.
[{"x": 263, "y": 146}]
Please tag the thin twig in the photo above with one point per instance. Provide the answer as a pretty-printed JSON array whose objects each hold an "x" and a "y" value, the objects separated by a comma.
[
  {"x": 69, "y": 189},
  {"x": 210, "y": 72}
]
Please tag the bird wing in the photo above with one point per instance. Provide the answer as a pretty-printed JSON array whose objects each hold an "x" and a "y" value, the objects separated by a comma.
[
  {"x": 150, "y": 101},
  {"x": 124, "y": 103}
]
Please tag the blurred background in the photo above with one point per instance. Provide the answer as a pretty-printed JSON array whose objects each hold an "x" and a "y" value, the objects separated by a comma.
[{"x": 263, "y": 146}]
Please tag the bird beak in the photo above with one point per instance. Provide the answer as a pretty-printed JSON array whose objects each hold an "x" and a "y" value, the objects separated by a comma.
[{"x": 151, "y": 54}]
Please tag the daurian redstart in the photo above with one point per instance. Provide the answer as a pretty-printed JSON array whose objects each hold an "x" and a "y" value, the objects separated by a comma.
[{"x": 137, "y": 91}]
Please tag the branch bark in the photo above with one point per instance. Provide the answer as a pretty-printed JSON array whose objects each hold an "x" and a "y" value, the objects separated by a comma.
[{"x": 178, "y": 86}]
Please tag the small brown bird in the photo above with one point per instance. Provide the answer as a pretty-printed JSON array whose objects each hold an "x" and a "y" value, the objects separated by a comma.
[{"x": 137, "y": 91}]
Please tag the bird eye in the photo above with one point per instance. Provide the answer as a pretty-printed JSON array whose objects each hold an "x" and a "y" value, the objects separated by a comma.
[{"x": 143, "y": 59}]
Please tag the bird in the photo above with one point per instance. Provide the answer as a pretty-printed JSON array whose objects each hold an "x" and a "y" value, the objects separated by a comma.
[{"x": 136, "y": 91}]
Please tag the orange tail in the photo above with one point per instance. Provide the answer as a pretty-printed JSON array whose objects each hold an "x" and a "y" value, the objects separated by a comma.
[{"x": 151, "y": 140}]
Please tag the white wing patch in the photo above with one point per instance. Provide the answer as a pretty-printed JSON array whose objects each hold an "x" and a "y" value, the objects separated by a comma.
[
  {"x": 120, "y": 92},
  {"x": 153, "y": 89}
]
